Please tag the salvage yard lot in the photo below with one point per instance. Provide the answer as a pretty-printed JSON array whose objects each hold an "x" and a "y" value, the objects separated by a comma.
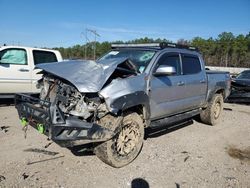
[{"x": 195, "y": 155}]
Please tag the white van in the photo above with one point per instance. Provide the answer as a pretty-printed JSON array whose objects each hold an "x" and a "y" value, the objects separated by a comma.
[{"x": 17, "y": 74}]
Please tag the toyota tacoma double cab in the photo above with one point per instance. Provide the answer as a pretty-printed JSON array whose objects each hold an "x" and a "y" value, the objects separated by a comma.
[{"x": 110, "y": 102}]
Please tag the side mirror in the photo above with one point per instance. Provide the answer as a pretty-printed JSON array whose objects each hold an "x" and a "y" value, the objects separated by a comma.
[
  {"x": 233, "y": 76},
  {"x": 165, "y": 70}
]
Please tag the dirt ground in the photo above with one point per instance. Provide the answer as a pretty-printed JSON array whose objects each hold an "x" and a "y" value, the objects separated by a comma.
[{"x": 191, "y": 155}]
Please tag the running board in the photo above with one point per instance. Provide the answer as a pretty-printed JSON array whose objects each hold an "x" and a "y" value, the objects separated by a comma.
[{"x": 175, "y": 118}]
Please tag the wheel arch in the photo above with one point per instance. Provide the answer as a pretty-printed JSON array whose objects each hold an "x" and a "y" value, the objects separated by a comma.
[
  {"x": 216, "y": 91},
  {"x": 135, "y": 102},
  {"x": 221, "y": 91}
]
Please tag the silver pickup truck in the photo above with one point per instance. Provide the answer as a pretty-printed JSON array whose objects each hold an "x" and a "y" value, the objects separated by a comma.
[{"x": 110, "y": 102}]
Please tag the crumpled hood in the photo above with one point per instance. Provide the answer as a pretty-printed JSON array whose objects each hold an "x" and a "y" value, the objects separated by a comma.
[{"x": 87, "y": 76}]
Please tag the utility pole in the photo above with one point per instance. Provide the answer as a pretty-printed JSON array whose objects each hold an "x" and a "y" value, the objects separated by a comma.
[
  {"x": 85, "y": 35},
  {"x": 95, "y": 35},
  {"x": 87, "y": 41}
]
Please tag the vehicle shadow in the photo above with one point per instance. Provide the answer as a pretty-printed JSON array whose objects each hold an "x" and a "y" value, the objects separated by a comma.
[
  {"x": 88, "y": 149},
  {"x": 163, "y": 130},
  {"x": 82, "y": 150},
  {"x": 139, "y": 183},
  {"x": 6, "y": 102}
]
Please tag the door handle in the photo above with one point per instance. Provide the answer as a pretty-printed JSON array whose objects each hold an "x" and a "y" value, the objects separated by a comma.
[
  {"x": 181, "y": 83},
  {"x": 23, "y": 70},
  {"x": 203, "y": 81}
]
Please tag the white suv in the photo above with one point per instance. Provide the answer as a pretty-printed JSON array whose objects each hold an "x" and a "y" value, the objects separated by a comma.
[{"x": 17, "y": 74}]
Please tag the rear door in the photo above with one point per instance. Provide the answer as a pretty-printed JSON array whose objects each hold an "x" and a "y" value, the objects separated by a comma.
[
  {"x": 195, "y": 81},
  {"x": 40, "y": 56},
  {"x": 15, "y": 71}
]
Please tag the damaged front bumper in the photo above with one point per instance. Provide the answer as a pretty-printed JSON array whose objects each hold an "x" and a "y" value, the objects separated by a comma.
[
  {"x": 239, "y": 96},
  {"x": 66, "y": 131}
]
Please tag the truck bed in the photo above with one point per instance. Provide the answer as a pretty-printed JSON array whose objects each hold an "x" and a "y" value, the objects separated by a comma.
[{"x": 218, "y": 79}]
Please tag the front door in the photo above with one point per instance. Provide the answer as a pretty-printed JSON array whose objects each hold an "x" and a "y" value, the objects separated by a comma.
[
  {"x": 15, "y": 73},
  {"x": 167, "y": 92}
]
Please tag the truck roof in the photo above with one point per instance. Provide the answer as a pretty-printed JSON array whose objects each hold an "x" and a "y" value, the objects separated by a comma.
[
  {"x": 27, "y": 48},
  {"x": 154, "y": 46}
]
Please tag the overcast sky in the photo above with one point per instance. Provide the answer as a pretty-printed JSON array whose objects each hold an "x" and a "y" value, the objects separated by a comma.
[{"x": 56, "y": 23}]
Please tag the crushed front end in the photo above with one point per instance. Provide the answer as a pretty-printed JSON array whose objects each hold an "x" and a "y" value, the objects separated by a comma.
[
  {"x": 240, "y": 91},
  {"x": 65, "y": 115}
]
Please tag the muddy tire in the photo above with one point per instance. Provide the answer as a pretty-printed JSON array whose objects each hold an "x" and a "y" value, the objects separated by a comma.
[
  {"x": 211, "y": 115},
  {"x": 123, "y": 148}
]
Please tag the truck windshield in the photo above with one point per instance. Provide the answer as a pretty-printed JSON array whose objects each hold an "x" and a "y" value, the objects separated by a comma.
[
  {"x": 244, "y": 75},
  {"x": 140, "y": 58}
]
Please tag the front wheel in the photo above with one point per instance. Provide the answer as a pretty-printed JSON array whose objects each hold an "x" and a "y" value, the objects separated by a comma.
[
  {"x": 211, "y": 115},
  {"x": 123, "y": 148}
]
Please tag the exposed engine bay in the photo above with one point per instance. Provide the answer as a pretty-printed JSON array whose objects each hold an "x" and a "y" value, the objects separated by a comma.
[
  {"x": 87, "y": 106},
  {"x": 70, "y": 101}
]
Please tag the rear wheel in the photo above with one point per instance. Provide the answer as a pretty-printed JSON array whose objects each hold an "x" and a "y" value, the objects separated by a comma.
[
  {"x": 123, "y": 148},
  {"x": 211, "y": 115}
]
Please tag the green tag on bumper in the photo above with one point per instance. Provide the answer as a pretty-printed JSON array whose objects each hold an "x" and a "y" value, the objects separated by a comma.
[
  {"x": 24, "y": 122},
  {"x": 40, "y": 128}
]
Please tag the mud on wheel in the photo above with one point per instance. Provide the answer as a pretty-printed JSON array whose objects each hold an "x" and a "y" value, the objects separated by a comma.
[
  {"x": 125, "y": 146},
  {"x": 211, "y": 115}
]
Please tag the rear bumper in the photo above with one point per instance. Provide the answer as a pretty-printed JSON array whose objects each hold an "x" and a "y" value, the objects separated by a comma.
[{"x": 66, "y": 131}]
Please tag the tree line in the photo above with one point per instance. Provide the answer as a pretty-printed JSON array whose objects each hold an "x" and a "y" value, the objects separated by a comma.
[{"x": 226, "y": 50}]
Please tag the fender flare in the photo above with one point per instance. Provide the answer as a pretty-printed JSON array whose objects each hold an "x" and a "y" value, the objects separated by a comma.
[
  {"x": 131, "y": 100},
  {"x": 212, "y": 93}
]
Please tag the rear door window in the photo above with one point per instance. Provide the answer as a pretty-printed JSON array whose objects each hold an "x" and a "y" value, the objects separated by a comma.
[
  {"x": 43, "y": 57},
  {"x": 190, "y": 64},
  {"x": 13, "y": 56}
]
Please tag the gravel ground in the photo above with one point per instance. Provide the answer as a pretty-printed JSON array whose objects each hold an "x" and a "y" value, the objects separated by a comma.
[{"x": 192, "y": 155}]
